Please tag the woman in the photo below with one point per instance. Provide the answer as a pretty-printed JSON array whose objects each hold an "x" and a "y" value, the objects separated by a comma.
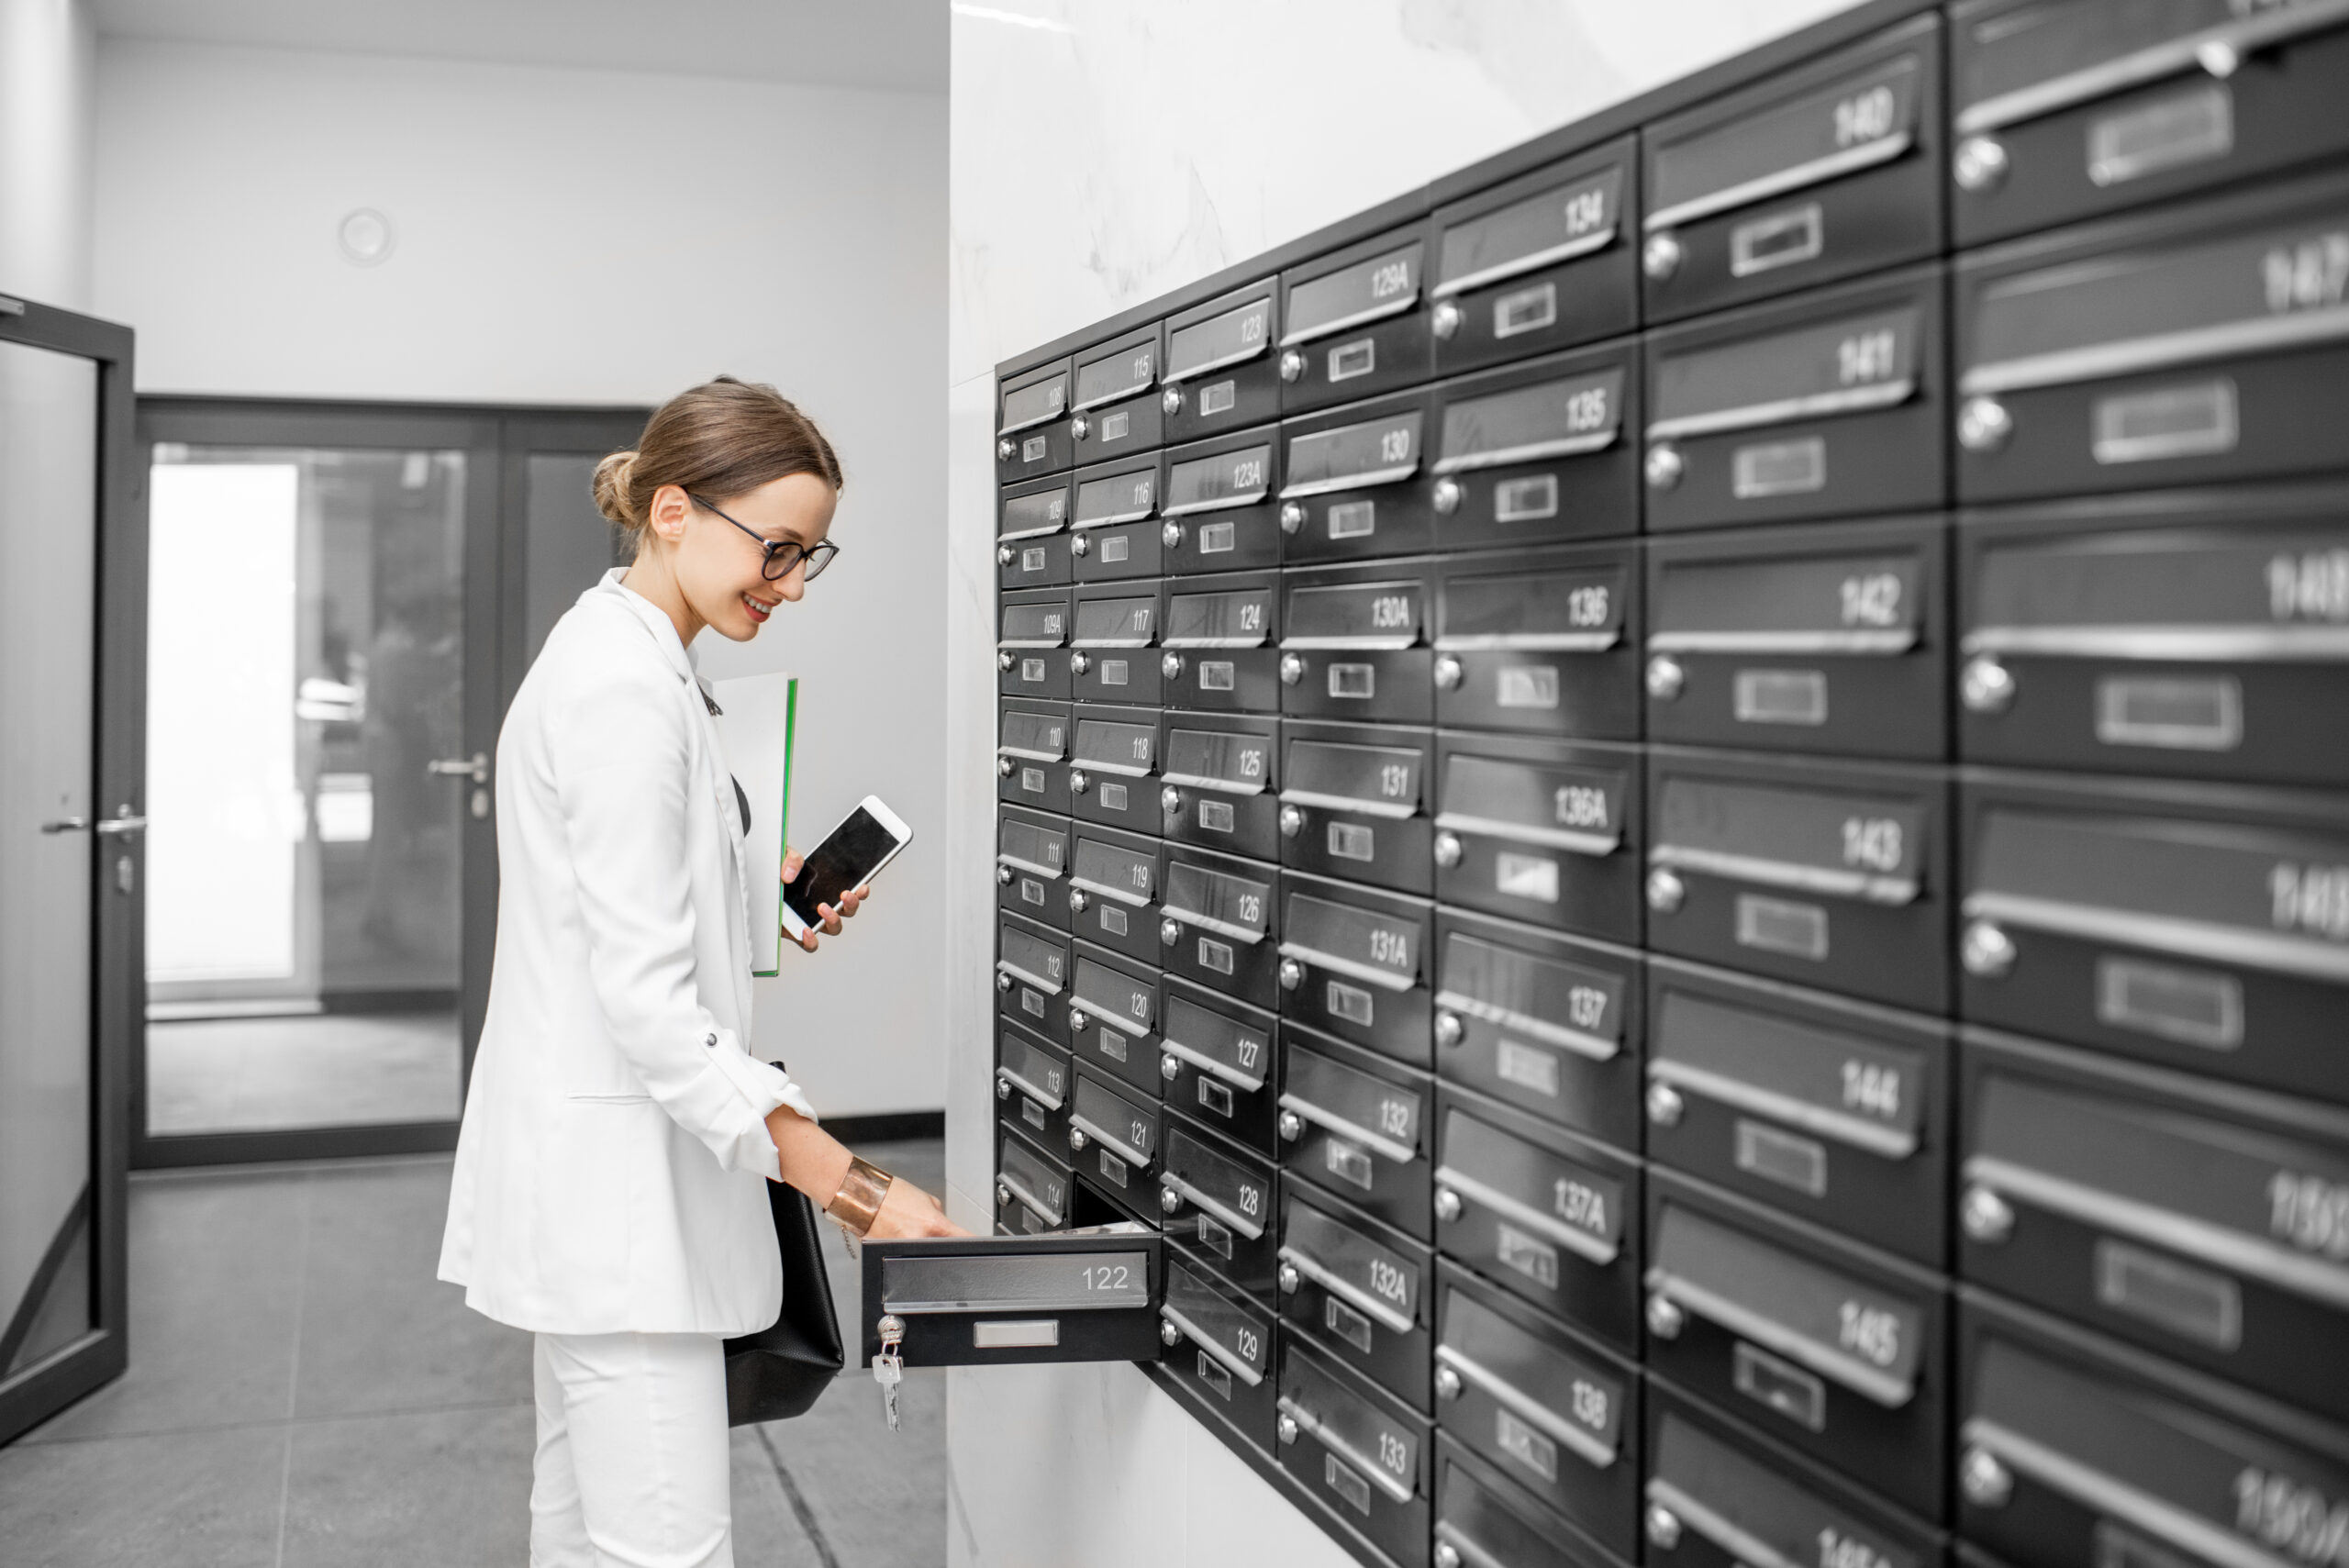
[{"x": 609, "y": 1187}]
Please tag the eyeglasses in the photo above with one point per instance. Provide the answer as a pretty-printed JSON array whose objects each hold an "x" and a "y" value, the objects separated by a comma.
[{"x": 781, "y": 554}]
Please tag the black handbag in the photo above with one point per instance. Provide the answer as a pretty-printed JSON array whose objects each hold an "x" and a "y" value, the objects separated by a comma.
[{"x": 782, "y": 1371}]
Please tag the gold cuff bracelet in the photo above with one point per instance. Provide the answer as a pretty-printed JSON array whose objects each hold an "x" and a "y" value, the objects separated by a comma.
[{"x": 858, "y": 1202}]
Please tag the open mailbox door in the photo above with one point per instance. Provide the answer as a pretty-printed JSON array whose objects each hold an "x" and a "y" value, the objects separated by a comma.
[{"x": 1074, "y": 1296}]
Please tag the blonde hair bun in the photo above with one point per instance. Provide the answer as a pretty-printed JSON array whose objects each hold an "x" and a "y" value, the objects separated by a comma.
[{"x": 611, "y": 488}]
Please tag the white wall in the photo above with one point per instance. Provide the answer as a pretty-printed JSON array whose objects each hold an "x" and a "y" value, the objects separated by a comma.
[
  {"x": 578, "y": 236},
  {"x": 47, "y": 85},
  {"x": 1105, "y": 152}
]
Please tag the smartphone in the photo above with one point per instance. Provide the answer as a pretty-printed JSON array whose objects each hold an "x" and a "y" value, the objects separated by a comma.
[{"x": 851, "y": 855}]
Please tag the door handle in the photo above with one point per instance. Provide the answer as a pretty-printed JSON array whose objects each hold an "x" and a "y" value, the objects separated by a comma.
[
  {"x": 67, "y": 825},
  {"x": 117, "y": 827},
  {"x": 475, "y": 767}
]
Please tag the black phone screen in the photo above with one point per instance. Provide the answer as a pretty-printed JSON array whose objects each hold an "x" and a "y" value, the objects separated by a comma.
[{"x": 839, "y": 865}]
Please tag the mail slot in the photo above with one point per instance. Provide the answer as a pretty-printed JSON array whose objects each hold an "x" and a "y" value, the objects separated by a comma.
[
  {"x": 2202, "y": 634},
  {"x": 1031, "y": 976},
  {"x": 1548, "y": 1024},
  {"x": 1032, "y": 435},
  {"x": 1219, "y": 504},
  {"x": 1825, "y": 640},
  {"x": 2210, "y": 1225},
  {"x": 2170, "y": 347},
  {"x": 1220, "y": 1346},
  {"x": 1031, "y": 1190},
  {"x": 1831, "y": 1110},
  {"x": 1221, "y": 371},
  {"x": 1545, "y": 831},
  {"x": 1115, "y": 410},
  {"x": 2070, "y": 1447},
  {"x": 1218, "y": 785},
  {"x": 1556, "y": 1414},
  {"x": 1717, "y": 1497},
  {"x": 1032, "y": 644},
  {"x": 1113, "y": 764},
  {"x": 1032, "y": 755},
  {"x": 1113, "y": 1140},
  {"x": 1005, "y": 1301},
  {"x": 1354, "y": 964},
  {"x": 1822, "y": 406},
  {"x": 1362, "y": 1291},
  {"x": 1113, "y": 890},
  {"x": 2203, "y": 927},
  {"x": 1833, "y": 1350},
  {"x": 1828, "y": 874},
  {"x": 1031, "y": 860},
  {"x": 1542, "y": 262},
  {"x": 1352, "y": 324},
  {"x": 1359, "y": 1127},
  {"x": 1113, "y": 1017},
  {"x": 1218, "y": 924},
  {"x": 1536, "y": 452},
  {"x": 1485, "y": 1518},
  {"x": 1356, "y": 483},
  {"x": 1113, "y": 655},
  {"x": 1222, "y": 1053},
  {"x": 2062, "y": 112},
  {"x": 1354, "y": 803},
  {"x": 1031, "y": 534},
  {"x": 1113, "y": 523},
  {"x": 1358, "y": 1450},
  {"x": 1031, "y": 1090},
  {"x": 1353, "y": 644},
  {"x": 1221, "y": 638},
  {"x": 1821, "y": 172},
  {"x": 1219, "y": 1204},
  {"x": 1540, "y": 642}
]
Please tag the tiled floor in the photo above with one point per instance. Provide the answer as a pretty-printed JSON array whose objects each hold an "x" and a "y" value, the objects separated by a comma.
[
  {"x": 326, "y": 1070},
  {"x": 303, "y": 1394}
]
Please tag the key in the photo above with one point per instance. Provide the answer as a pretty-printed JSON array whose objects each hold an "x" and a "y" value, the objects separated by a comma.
[{"x": 888, "y": 1366}]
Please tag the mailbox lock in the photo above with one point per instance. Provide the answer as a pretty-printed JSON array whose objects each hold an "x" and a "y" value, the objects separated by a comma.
[
  {"x": 1447, "y": 1204},
  {"x": 1985, "y": 1215},
  {"x": 1985, "y": 1482},
  {"x": 1664, "y": 1105},
  {"x": 1663, "y": 1527},
  {"x": 1290, "y": 1279},
  {"x": 1003, "y": 874},
  {"x": 1169, "y": 933},
  {"x": 1665, "y": 466},
  {"x": 1292, "y": 516},
  {"x": 1080, "y": 427},
  {"x": 1171, "y": 666},
  {"x": 1080, "y": 545},
  {"x": 1666, "y": 677},
  {"x": 1986, "y": 950},
  {"x": 1447, "y": 320},
  {"x": 1292, "y": 669},
  {"x": 1292, "y": 974},
  {"x": 1077, "y": 901},
  {"x": 1170, "y": 800},
  {"x": 1292, "y": 1127},
  {"x": 1076, "y": 1139},
  {"x": 1449, "y": 1029},
  {"x": 1171, "y": 535},
  {"x": 1666, "y": 891},
  {"x": 1448, "y": 1384},
  {"x": 1445, "y": 1555},
  {"x": 1292, "y": 821},
  {"x": 1984, "y": 424},
  {"x": 1292, "y": 364},
  {"x": 1170, "y": 1066},
  {"x": 1660, "y": 258},
  {"x": 1079, "y": 662},
  {"x": 1079, "y": 781},
  {"x": 1002, "y": 1087},
  {"x": 1448, "y": 672},
  {"x": 1004, "y": 661},
  {"x": 1169, "y": 1335},
  {"x": 1006, "y": 766},
  {"x": 1002, "y": 1193},
  {"x": 1665, "y": 1320},
  {"x": 1169, "y": 1201},
  {"x": 1985, "y": 686},
  {"x": 1003, "y": 983},
  {"x": 1004, "y": 555},
  {"x": 1287, "y": 1431},
  {"x": 1446, "y": 499},
  {"x": 1447, "y": 850},
  {"x": 1981, "y": 164},
  {"x": 1171, "y": 400},
  {"x": 1005, "y": 448},
  {"x": 1075, "y": 1021}
]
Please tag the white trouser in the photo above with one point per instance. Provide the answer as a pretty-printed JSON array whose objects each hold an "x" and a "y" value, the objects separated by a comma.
[{"x": 631, "y": 1468}]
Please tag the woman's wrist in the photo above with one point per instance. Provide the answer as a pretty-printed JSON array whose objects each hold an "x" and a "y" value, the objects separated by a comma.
[{"x": 861, "y": 1193}]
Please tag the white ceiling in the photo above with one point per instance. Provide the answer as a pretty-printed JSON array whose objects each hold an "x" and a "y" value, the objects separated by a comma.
[{"x": 898, "y": 44}]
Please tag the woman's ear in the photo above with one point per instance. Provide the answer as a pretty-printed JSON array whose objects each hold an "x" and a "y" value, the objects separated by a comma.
[{"x": 667, "y": 516}]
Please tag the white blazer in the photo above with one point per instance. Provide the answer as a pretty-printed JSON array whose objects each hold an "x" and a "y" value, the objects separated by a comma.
[{"x": 612, "y": 1165}]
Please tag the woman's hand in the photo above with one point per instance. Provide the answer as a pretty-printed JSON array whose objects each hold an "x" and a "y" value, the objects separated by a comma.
[
  {"x": 833, "y": 917},
  {"x": 910, "y": 1211}
]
